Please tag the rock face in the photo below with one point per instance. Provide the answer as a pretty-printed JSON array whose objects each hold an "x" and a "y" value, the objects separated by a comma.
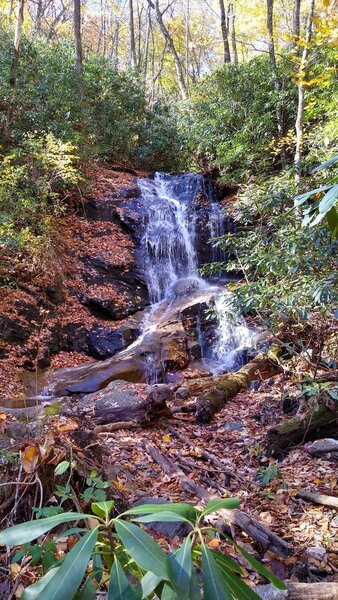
[
  {"x": 169, "y": 344},
  {"x": 121, "y": 401}
]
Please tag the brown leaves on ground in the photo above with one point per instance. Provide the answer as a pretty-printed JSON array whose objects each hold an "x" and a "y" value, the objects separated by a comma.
[{"x": 66, "y": 277}]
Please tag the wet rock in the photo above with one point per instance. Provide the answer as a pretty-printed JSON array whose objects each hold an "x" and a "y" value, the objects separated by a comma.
[
  {"x": 89, "y": 379},
  {"x": 183, "y": 287},
  {"x": 182, "y": 393},
  {"x": 174, "y": 351},
  {"x": 104, "y": 342}
]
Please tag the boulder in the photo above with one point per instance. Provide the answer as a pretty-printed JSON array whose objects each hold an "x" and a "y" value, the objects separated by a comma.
[{"x": 122, "y": 401}]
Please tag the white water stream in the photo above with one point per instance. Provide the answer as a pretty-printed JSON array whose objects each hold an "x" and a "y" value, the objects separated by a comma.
[{"x": 169, "y": 246}]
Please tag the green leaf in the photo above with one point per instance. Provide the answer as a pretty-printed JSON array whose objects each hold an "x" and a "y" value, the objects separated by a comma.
[
  {"x": 71, "y": 531},
  {"x": 61, "y": 467},
  {"x": 238, "y": 587},
  {"x": 226, "y": 562},
  {"x": 332, "y": 219},
  {"x": 33, "y": 591},
  {"x": 180, "y": 508},
  {"x": 195, "y": 590},
  {"x": 167, "y": 517},
  {"x": 143, "y": 549},
  {"x": 325, "y": 164},
  {"x": 26, "y": 532},
  {"x": 69, "y": 575},
  {"x": 213, "y": 580},
  {"x": 216, "y": 505},
  {"x": 261, "y": 569},
  {"x": 119, "y": 586},
  {"x": 88, "y": 591},
  {"x": 298, "y": 200},
  {"x": 102, "y": 509},
  {"x": 329, "y": 199},
  {"x": 168, "y": 593},
  {"x": 181, "y": 566},
  {"x": 149, "y": 583}
]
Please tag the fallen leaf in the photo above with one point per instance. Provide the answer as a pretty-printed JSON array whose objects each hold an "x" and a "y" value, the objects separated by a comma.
[{"x": 30, "y": 458}]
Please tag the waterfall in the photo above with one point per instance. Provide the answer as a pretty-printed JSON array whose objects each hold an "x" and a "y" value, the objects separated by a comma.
[
  {"x": 179, "y": 209},
  {"x": 168, "y": 242}
]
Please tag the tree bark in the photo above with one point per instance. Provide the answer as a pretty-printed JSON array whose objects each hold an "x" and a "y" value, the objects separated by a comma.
[
  {"x": 225, "y": 33},
  {"x": 132, "y": 47},
  {"x": 262, "y": 366},
  {"x": 78, "y": 46},
  {"x": 171, "y": 47},
  {"x": 16, "y": 45},
  {"x": 301, "y": 94},
  {"x": 296, "y": 23},
  {"x": 277, "y": 82},
  {"x": 299, "y": 428},
  {"x": 233, "y": 46}
]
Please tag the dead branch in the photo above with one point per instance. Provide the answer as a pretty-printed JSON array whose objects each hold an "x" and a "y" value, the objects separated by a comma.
[
  {"x": 318, "y": 498},
  {"x": 245, "y": 522}
]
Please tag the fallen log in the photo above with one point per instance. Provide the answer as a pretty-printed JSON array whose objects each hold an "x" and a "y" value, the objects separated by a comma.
[
  {"x": 226, "y": 387},
  {"x": 318, "y": 498},
  {"x": 302, "y": 427},
  {"x": 299, "y": 591},
  {"x": 247, "y": 523}
]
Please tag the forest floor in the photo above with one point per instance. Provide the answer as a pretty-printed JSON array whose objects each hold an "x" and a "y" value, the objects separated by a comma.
[{"x": 236, "y": 437}]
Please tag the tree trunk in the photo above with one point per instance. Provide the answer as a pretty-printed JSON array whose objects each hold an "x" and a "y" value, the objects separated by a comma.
[
  {"x": 262, "y": 366},
  {"x": 146, "y": 47},
  {"x": 225, "y": 33},
  {"x": 315, "y": 423},
  {"x": 16, "y": 45},
  {"x": 301, "y": 94},
  {"x": 233, "y": 47},
  {"x": 78, "y": 46},
  {"x": 187, "y": 56},
  {"x": 296, "y": 23},
  {"x": 171, "y": 47},
  {"x": 132, "y": 47},
  {"x": 277, "y": 83}
]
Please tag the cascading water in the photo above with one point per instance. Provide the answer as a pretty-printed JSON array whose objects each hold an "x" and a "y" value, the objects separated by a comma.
[
  {"x": 174, "y": 205},
  {"x": 168, "y": 242}
]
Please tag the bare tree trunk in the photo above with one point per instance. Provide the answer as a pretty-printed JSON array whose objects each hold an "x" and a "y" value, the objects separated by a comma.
[
  {"x": 171, "y": 47},
  {"x": 39, "y": 15},
  {"x": 225, "y": 33},
  {"x": 301, "y": 95},
  {"x": 296, "y": 23},
  {"x": 146, "y": 47},
  {"x": 16, "y": 45},
  {"x": 233, "y": 46},
  {"x": 115, "y": 45},
  {"x": 132, "y": 48},
  {"x": 78, "y": 46},
  {"x": 277, "y": 83},
  {"x": 187, "y": 58}
]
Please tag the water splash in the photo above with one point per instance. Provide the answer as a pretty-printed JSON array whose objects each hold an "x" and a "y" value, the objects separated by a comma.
[{"x": 232, "y": 336}]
